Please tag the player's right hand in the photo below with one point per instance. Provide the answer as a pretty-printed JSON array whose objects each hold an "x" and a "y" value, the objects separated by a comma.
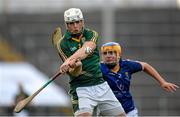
[
  {"x": 77, "y": 70},
  {"x": 170, "y": 87},
  {"x": 70, "y": 65},
  {"x": 78, "y": 63}
]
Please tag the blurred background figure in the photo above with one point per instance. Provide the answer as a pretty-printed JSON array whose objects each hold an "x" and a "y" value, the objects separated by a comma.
[
  {"x": 18, "y": 79},
  {"x": 20, "y": 96},
  {"x": 148, "y": 30}
]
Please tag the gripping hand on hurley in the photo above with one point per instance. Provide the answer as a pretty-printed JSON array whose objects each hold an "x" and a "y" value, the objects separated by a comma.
[{"x": 71, "y": 66}]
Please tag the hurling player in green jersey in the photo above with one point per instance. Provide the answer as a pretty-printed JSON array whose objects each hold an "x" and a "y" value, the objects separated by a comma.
[{"x": 78, "y": 49}]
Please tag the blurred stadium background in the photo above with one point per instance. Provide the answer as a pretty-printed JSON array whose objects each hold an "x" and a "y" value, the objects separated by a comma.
[{"x": 148, "y": 30}]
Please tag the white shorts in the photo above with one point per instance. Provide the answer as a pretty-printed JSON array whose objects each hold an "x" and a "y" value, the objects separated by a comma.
[
  {"x": 100, "y": 96},
  {"x": 133, "y": 113}
]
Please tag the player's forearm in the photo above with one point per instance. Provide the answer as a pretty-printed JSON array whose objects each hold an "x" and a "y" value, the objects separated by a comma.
[
  {"x": 153, "y": 72},
  {"x": 82, "y": 52}
]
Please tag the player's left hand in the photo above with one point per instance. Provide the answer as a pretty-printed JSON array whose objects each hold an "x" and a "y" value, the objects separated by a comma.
[
  {"x": 64, "y": 68},
  {"x": 170, "y": 87}
]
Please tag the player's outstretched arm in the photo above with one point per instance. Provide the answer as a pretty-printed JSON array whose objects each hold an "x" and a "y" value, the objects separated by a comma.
[
  {"x": 170, "y": 87},
  {"x": 87, "y": 48}
]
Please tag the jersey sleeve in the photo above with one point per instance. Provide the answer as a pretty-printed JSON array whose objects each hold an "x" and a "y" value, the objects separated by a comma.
[
  {"x": 104, "y": 68},
  {"x": 64, "y": 53},
  {"x": 92, "y": 35},
  {"x": 134, "y": 66}
]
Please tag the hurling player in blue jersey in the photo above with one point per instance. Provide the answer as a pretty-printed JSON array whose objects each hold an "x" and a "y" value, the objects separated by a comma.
[{"x": 118, "y": 72}]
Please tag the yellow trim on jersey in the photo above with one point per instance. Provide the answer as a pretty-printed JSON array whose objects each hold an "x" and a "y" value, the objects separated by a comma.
[
  {"x": 75, "y": 39},
  {"x": 95, "y": 36},
  {"x": 61, "y": 53},
  {"x": 74, "y": 101},
  {"x": 78, "y": 39}
]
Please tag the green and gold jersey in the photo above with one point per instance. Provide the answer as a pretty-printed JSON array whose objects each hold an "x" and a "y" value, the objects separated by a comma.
[{"x": 91, "y": 73}]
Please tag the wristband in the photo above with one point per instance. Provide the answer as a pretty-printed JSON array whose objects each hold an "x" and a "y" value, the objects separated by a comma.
[{"x": 88, "y": 50}]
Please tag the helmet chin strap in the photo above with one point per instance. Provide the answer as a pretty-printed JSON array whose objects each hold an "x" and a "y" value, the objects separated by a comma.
[
  {"x": 113, "y": 64},
  {"x": 76, "y": 35}
]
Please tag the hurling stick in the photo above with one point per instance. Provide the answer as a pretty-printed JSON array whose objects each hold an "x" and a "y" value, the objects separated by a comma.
[
  {"x": 56, "y": 39},
  {"x": 57, "y": 35},
  {"x": 20, "y": 105}
]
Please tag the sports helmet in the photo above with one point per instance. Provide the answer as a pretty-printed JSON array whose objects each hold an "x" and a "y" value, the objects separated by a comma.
[
  {"x": 72, "y": 15},
  {"x": 111, "y": 46}
]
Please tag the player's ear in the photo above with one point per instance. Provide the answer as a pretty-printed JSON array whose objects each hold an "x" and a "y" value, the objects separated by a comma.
[{"x": 82, "y": 21}]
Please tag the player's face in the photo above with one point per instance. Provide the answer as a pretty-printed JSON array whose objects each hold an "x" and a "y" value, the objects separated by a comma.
[
  {"x": 109, "y": 57},
  {"x": 75, "y": 27}
]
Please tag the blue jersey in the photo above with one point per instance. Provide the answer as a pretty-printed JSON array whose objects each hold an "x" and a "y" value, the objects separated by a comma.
[{"x": 120, "y": 82}]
